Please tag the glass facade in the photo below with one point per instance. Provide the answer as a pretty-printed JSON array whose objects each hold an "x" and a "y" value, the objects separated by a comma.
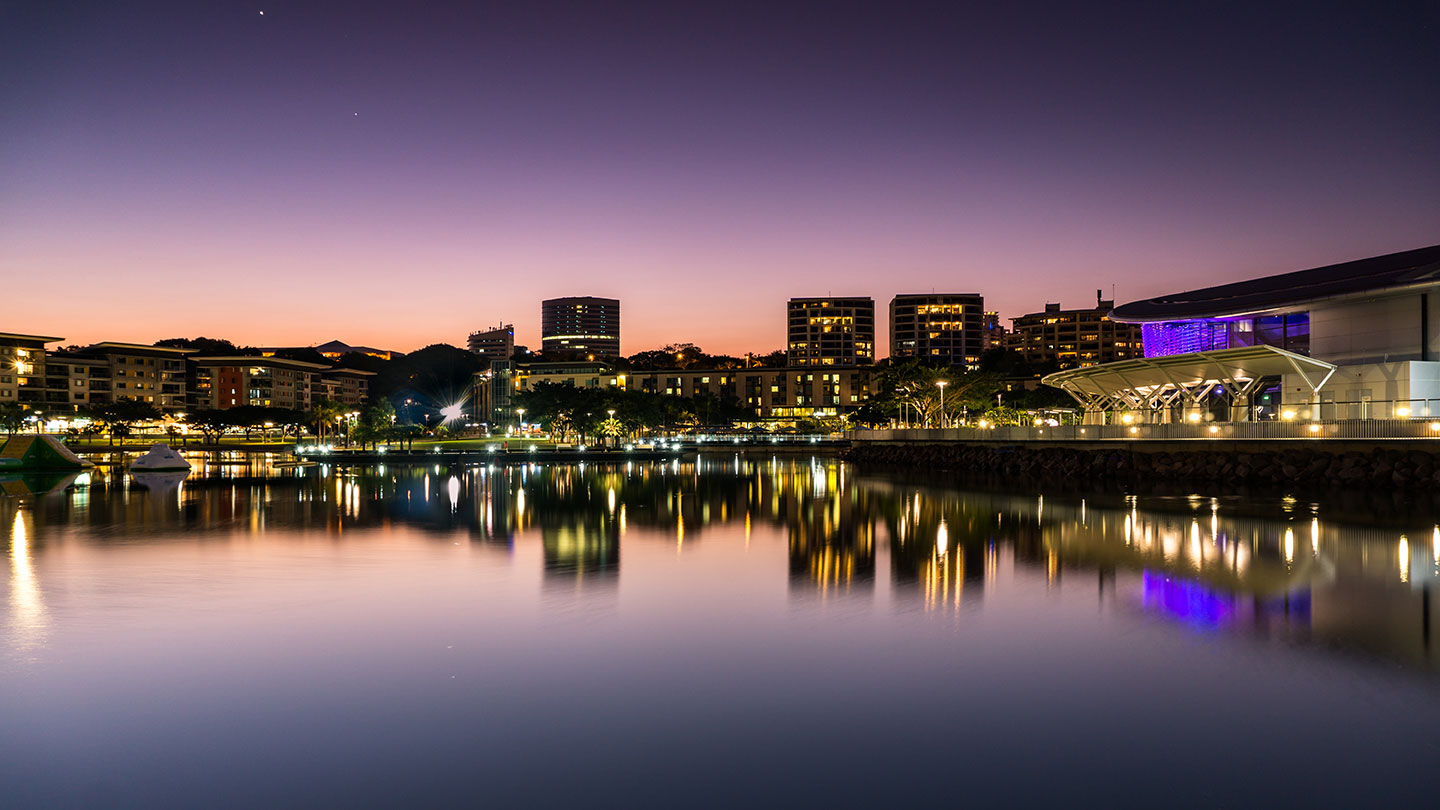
[{"x": 1290, "y": 332}]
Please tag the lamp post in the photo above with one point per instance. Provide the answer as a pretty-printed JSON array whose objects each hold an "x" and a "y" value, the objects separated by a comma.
[
  {"x": 611, "y": 411},
  {"x": 942, "y": 384}
]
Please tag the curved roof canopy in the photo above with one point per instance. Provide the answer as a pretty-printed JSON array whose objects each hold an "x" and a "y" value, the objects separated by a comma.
[
  {"x": 1199, "y": 371},
  {"x": 1290, "y": 290}
]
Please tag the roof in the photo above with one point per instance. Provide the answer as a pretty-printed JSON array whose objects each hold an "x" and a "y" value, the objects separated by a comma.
[
  {"x": 1390, "y": 273},
  {"x": 17, "y": 336},
  {"x": 251, "y": 360},
  {"x": 112, "y": 346},
  {"x": 341, "y": 347},
  {"x": 1183, "y": 370},
  {"x": 352, "y": 371}
]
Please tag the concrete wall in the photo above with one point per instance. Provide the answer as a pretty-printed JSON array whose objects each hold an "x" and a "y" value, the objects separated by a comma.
[
  {"x": 1372, "y": 331},
  {"x": 1413, "y": 383}
]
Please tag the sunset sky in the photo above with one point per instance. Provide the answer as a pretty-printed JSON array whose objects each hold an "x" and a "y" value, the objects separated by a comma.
[{"x": 401, "y": 174}]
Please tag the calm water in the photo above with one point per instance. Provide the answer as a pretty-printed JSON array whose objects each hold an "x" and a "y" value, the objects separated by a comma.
[{"x": 725, "y": 633}]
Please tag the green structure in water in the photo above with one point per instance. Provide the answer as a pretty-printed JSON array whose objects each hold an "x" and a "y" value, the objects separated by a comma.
[{"x": 28, "y": 453}]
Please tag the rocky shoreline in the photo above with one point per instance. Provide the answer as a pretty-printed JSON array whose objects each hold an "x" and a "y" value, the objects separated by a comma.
[{"x": 1398, "y": 468}]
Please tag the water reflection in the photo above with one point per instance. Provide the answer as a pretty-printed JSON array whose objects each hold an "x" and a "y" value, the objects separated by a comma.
[
  {"x": 27, "y": 606},
  {"x": 1277, "y": 569}
]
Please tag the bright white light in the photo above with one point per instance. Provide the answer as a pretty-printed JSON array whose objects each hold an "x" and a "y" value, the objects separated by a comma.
[{"x": 451, "y": 412}]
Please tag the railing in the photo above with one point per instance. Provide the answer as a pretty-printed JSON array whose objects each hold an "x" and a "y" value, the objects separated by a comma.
[{"x": 1272, "y": 430}]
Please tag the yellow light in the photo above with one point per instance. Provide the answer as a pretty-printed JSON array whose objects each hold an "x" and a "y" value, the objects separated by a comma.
[
  {"x": 1402, "y": 411},
  {"x": 1193, "y": 416},
  {"x": 1127, "y": 418},
  {"x": 1134, "y": 430},
  {"x": 1214, "y": 429},
  {"x": 1314, "y": 428},
  {"x": 1287, "y": 415}
]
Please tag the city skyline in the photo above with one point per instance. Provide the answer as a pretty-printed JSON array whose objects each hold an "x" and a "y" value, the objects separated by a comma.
[{"x": 400, "y": 176}]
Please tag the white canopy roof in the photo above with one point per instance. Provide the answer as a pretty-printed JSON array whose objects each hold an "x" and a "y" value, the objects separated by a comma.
[{"x": 1188, "y": 375}]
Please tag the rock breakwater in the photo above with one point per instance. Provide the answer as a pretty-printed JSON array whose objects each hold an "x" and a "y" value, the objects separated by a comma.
[{"x": 1378, "y": 468}]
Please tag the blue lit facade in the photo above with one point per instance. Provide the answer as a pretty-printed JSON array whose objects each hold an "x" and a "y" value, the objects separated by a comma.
[{"x": 1165, "y": 338}]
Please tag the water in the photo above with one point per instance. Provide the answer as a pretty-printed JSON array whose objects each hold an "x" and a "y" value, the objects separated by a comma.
[{"x": 728, "y": 633}]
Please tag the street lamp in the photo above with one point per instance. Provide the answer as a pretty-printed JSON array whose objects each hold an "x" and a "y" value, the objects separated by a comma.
[{"x": 942, "y": 384}]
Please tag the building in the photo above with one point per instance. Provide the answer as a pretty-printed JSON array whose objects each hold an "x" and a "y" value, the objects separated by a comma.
[
  {"x": 494, "y": 344},
  {"x": 22, "y": 368},
  {"x": 1067, "y": 338},
  {"x": 1356, "y": 340},
  {"x": 268, "y": 382},
  {"x": 772, "y": 395},
  {"x": 112, "y": 371},
  {"x": 944, "y": 327},
  {"x": 830, "y": 331},
  {"x": 333, "y": 350},
  {"x": 74, "y": 382},
  {"x": 585, "y": 325},
  {"x": 992, "y": 331},
  {"x": 347, "y": 386}
]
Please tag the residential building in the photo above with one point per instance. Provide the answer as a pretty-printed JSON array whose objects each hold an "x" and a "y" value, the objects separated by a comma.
[
  {"x": 583, "y": 325},
  {"x": 992, "y": 334},
  {"x": 1068, "y": 338},
  {"x": 152, "y": 374},
  {"x": 347, "y": 386},
  {"x": 830, "y": 331},
  {"x": 270, "y": 382},
  {"x": 1356, "y": 340},
  {"x": 772, "y": 395},
  {"x": 74, "y": 381},
  {"x": 22, "y": 368},
  {"x": 494, "y": 344},
  {"x": 947, "y": 328}
]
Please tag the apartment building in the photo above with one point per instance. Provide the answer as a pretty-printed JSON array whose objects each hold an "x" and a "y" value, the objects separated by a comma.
[
  {"x": 830, "y": 331},
  {"x": 269, "y": 382},
  {"x": 771, "y": 394},
  {"x": 347, "y": 386},
  {"x": 1070, "y": 338},
  {"x": 22, "y": 368},
  {"x": 494, "y": 344},
  {"x": 947, "y": 327}
]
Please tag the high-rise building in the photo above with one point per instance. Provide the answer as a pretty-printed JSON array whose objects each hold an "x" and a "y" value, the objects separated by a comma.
[
  {"x": 992, "y": 335},
  {"x": 946, "y": 327},
  {"x": 831, "y": 331},
  {"x": 1075, "y": 337},
  {"x": 494, "y": 344},
  {"x": 585, "y": 325}
]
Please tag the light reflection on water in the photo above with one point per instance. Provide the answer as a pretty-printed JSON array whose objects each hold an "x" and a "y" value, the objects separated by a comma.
[{"x": 434, "y": 634}]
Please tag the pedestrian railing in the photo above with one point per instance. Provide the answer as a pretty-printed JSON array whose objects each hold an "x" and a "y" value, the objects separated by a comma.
[{"x": 1216, "y": 431}]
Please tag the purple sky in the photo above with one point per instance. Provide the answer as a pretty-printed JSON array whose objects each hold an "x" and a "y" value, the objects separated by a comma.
[{"x": 397, "y": 175}]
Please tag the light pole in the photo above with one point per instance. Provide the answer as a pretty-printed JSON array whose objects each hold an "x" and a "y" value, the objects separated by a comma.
[
  {"x": 942, "y": 384},
  {"x": 611, "y": 411}
]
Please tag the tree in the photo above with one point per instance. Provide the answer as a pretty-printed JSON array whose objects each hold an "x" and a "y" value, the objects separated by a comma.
[
  {"x": 323, "y": 415},
  {"x": 911, "y": 390},
  {"x": 12, "y": 417},
  {"x": 203, "y": 345},
  {"x": 123, "y": 414},
  {"x": 375, "y": 424},
  {"x": 210, "y": 422}
]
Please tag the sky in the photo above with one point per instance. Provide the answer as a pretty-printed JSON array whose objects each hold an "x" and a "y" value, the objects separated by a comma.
[{"x": 400, "y": 174}]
